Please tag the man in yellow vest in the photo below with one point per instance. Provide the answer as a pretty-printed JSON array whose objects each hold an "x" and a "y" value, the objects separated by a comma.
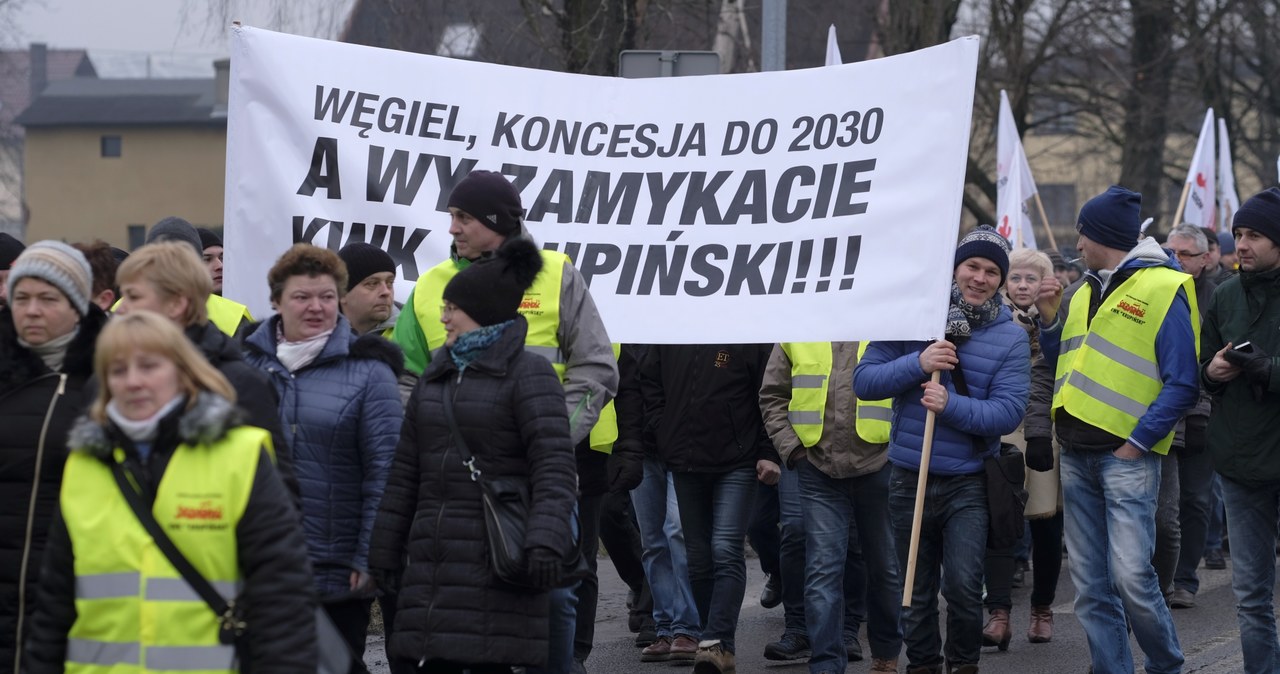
[
  {"x": 231, "y": 317},
  {"x": 835, "y": 451},
  {"x": 1124, "y": 353},
  {"x": 564, "y": 326}
]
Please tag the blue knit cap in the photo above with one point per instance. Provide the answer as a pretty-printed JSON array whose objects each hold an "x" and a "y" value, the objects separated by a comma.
[
  {"x": 1260, "y": 213},
  {"x": 1113, "y": 218}
]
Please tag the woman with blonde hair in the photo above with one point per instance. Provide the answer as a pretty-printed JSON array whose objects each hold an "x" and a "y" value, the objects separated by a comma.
[{"x": 164, "y": 424}]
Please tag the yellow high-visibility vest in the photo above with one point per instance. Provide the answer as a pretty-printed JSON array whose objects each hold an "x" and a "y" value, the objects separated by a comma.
[
  {"x": 226, "y": 314},
  {"x": 810, "y": 374},
  {"x": 134, "y": 611},
  {"x": 1108, "y": 374},
  {"x": 540, "y": 307}
]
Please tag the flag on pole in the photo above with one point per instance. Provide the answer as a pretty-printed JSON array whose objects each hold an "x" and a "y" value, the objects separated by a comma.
[
  {"x": 833, "y": 48},
  {"x": 1014, "y": 184},
  {"x": 1227, "y": 178},
  {"x": 1201, "y": 208}
]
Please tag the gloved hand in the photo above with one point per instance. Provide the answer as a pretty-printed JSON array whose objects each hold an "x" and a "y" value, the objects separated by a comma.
[
  {"x": 544, "y": 567},
  {"x": 1255, "y": 365},
  {"x": 387, "y": 581},
  {"x": 626, "y": 470},
  {"x": 1040, "y": 454}
]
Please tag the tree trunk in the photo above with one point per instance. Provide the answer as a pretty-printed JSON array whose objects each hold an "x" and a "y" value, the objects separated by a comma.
[{"x": 1146, "y": 122}]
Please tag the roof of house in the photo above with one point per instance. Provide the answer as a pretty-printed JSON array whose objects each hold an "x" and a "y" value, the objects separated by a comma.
[
  {"x": 124, "y": 102},
  {"x": 15, "y": 76}
]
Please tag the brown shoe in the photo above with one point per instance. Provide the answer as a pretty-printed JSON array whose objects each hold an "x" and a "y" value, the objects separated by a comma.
[
  {"x": 683, "y": 648},
  {"x": 712, "y": 658},
  {"x": 1041, "y": 629},
  {"x": 884, "y": 664},
  {"x": 997, "y": 632},
  {"x": 657, "y": 651}
]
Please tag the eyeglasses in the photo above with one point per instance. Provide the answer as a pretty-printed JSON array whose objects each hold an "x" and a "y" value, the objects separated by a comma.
[
  {"x": 447, "y": 309},
  {"x": 1187, "y": 255}
]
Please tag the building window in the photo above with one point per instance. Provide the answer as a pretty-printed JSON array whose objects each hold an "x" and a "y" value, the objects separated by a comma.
[
  {"x": 111, "y": 146},
  {"x": 137, "y": 236}
]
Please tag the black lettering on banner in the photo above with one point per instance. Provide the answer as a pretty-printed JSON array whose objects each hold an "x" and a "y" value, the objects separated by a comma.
[
  {"x": 630, "y": 263},
  {"x": 406, "y": 183},
  {"x": 363, "y": 108},
  {"x": 599, "y": 258},
  {"x": 504, "y": 130},
  {"x": 401, "y": 242},
  {"x": 782, "y": 197},
  {"x": 323, "y": 173},
  {"x": 598, "y": 203},
  {"x": 702, "y": 265},
  {"x": 327, "y": 104},
  {"x": 660, "y": 194},
  {"x": 556, "y": 197},
  {"x": 850, "y": 185},
  {"x": 666, "y": 271},
  {"x": 779, "y": 281},
  {"x": 701, "y": 196},
  {"x": 752, "y": 198},
  {"x": 746, "y": 269},
  {"x": 520, "y": 175}
]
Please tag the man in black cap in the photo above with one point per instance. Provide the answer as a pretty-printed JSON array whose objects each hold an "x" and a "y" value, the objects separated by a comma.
[
  {"x": 1240, "y": 338},
  {"x": 369, "y": 304},
  {"x": 231, "y": 317},
  {"x": 212, "y": 256},
  {"x": 10, "y": 249},
  {"x": 1125, "y": 357}
]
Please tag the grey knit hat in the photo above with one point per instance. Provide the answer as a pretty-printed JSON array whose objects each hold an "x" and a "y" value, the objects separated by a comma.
[
  {"x": 176, "y": 229},
  {"x": 59, "y": 265}
]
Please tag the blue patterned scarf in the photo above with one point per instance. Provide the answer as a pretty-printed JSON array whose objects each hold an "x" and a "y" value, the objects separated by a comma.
[
  {"x": 471, "y": 345},
  {"x": 963, "y": 318}
]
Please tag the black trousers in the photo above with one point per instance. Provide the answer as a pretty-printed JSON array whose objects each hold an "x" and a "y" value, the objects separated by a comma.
[{"x": 351, "y": 617}]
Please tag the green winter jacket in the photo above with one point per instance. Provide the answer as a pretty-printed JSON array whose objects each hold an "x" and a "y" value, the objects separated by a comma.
[{"x": 1244, "y": 434}]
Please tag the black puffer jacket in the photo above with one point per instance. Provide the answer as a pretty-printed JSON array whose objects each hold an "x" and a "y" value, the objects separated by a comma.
[
  {"x": 273, "y": 562},
  {"x": 34, "y": 402},
  {"x": 511, "y": 411}
]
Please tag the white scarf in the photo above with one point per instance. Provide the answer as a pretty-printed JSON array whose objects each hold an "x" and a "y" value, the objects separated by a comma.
[
  {"x": 52, "y": 352},
  {"x": 142, "y": 430},
  {"x": 297, "y": 355}
]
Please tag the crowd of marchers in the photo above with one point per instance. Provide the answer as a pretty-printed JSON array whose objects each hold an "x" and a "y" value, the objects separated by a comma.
[{"x": 185, "y": 489}]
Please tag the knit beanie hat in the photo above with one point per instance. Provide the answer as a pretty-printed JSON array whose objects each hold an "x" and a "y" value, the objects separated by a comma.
[
  {"x": 59, "y": 265},
  {"x": 10, "y": 249},
  {"x": 208, "y": 238},
  {"x": 985, "y": 242},
  {"x": 176, "y": 229},
  {"x": 1226, "y": 243},
  {"x": 490, "y": 198},
  {"x": 490, "y": 291},
  {"x": 1260, "y": 213},
  {"x": 364, "y": 260},
  {"x": 1112, "y": 218}
]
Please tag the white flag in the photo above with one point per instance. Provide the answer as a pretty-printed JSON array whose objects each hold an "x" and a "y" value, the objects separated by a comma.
[
  {"x": 1226, "y": 175},
  {"x": 1014, "y": 184},
  {"x": 1201, "y": 209},
  {"x": 833, "y": 48}
]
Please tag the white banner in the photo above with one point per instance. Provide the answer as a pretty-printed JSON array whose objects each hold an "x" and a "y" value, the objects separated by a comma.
[
  {"x": 816, "y": 204},
  {"x": 1201, "y": 209},
  {"x": 1230, "y": 201},
  {"x": 1014, "y": 184}
]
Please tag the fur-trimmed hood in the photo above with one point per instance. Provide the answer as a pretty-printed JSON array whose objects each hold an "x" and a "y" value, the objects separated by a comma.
[{"x": 205, "y": 422}]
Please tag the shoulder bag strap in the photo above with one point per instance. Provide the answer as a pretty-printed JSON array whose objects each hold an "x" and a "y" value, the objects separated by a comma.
[
  {"x": 223, "y": 608},
  {"x": 468, "y": 459}
]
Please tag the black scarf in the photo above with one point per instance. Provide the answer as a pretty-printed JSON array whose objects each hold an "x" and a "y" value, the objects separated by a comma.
[{"x": 963, "y": 318}]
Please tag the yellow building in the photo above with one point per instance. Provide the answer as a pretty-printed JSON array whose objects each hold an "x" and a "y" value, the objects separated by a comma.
[{"x": 108, "y": 158}]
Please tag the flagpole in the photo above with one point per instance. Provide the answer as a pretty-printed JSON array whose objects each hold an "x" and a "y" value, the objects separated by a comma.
[
  {"x": 1182, "y": 203},
  {"x": 1044, "y": 220},
  {"x": 926, "y": 450}
]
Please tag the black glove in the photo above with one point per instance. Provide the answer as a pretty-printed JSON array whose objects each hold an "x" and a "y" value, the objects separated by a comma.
[
  {"x": 1040, "y": 454},
  {"x": 388, "y": 582},
  {"x": 626, "y": 470},
  {"x": 1255, "y": 365},
  {"x": 544, "y": 567}
]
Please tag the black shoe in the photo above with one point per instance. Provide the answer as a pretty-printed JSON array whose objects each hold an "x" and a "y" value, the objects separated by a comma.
[
  {"x": 646, "y": 637},
  {"x": 789, "y": 647},
  {"x": 852, "y": 648},
  {"x": 1213, "y": 559},
  {"x": 1020, "y": 573},
  {"x": 771, "y": 596}
]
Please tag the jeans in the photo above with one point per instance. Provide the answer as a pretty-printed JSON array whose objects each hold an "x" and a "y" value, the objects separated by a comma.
[
  {"x": 953, "y": 540},
  {"x": 562, "y": 616},
  {"x": 1217, "y": 517},
  {"x": 1251, "y": 517},
  {"x": 715, "y": 509},
  {"x": 781, "y": 551},
  {"x": 1195, "y": 477},
  {"x": 1109, "y": 507},
  {"x": 665, "y": 563},
  {"x": 836, "y": 510},
  {"x": 1168, "y": 529}
]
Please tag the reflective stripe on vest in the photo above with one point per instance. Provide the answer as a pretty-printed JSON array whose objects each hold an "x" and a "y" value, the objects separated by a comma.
[
  {"x": 540, "y": 307},
  {"x": 1108, "y": 374},
  {"x": 134, "y": 612},
  {"x": 226, "y": 314},
  {"x": 811, "y": 364}
]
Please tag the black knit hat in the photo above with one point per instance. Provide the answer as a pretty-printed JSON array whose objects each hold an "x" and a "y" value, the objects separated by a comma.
[
  {"x": 985, "y": 242},
  {"x": 364, "y": 260},
  {"x": 1113, "y": 218},
  {"x": 1261, "y": 213},
  {"x": 490, "y": 291},
  {"x": 10, "y": 249},
  {"x": 490, "y": 198},
  {"x": 208, "y": 239}
]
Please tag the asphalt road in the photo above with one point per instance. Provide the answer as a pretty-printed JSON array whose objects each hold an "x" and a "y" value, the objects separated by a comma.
[{"x": 1208, "y": 633}]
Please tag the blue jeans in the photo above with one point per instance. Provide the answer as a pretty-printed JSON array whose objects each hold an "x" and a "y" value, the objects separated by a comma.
[
  {"x": 781, "y": 548},
  {"x": 1217, "y": 517},
  {"x": 953, "y": 544},
  {"x": 1109, "y": 505},
  {"x": 665, "y": 564},
  {"x": 715, "y": 509},
  {"x": 562, "y": 622},
  {"x": 1251, "y": 519},
  {"x": 833, "y": 510}
]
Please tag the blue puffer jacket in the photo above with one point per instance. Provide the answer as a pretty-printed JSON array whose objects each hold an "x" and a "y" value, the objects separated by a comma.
[
  {"x": 997, "y": 368},
  {"x": 341, "y": 416}
]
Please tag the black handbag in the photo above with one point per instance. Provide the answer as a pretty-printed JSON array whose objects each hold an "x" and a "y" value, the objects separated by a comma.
[
  {"x": 333, "y": 656},
  {"x": 505, "y": 501}
]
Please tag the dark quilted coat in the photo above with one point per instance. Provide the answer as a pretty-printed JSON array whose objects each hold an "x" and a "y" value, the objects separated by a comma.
[
  {"x": 29, "y": 392},
  {"x": 511, "y": 411},
  {"x": 341, "y": 416}
]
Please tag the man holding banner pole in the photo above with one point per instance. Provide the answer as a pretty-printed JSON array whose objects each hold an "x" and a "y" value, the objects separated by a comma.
[{"x": 975, "y": 385}]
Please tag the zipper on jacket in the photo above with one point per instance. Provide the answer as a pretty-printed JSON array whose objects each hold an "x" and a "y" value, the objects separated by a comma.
[
  {"x": 31, "y": 517},
  {"x": 435, "y": 566}
]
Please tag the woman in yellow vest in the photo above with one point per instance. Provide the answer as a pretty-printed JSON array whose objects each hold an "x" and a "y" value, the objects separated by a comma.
[{"x": 110, "y": 600}]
